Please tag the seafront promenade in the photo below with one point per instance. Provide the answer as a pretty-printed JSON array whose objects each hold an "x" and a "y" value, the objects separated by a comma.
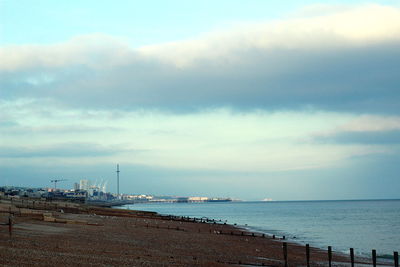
[{"x": 66, "y": 234}]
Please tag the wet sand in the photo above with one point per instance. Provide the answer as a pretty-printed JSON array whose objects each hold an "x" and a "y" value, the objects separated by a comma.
[{"x": 76, "y": 235}]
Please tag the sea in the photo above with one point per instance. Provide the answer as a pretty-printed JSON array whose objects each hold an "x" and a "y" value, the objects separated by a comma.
[{"x": 360, "y": 224}]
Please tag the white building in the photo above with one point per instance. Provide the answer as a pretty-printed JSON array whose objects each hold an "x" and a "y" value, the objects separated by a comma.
[{"x": 84, "y": 185}]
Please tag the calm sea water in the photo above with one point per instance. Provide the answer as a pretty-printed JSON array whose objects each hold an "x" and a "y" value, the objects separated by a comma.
[{"x": 363, "y": 225}]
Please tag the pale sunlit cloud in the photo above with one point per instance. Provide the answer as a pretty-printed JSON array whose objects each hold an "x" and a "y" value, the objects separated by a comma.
[
  {"x": 363, "y": 129},
  {"x": 215, "y": 139},
  {"x": 342, "y": 27}
]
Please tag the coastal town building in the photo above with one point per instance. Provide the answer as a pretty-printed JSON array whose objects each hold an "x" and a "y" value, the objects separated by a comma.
[
  {"x": 84, "y": 184},
  {"x": 76, "y": 186}
]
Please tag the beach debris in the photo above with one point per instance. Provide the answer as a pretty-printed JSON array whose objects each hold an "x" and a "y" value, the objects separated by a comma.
[{"x": 48, "y": 217}]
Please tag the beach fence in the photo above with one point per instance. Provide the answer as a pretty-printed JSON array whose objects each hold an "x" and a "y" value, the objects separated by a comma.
[{"x": 352, "y": 261}]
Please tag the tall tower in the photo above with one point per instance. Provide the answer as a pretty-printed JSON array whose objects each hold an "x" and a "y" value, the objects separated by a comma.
[{"x": 118, "y": 179}]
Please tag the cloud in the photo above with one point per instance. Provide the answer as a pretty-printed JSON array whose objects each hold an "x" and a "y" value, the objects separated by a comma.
[
  {"x": 364, "y": 129},
  {"x": 93, "y": 50},
  {"x": 329, "y": 27},
  {"x": 214, "y": 139},
  {"x": 370, "y": 123},
  {"x": 67, "y": 150},
  {"x": 368, "y": 138},
  {"x": 347, "y": 59},
  {"x": 15, "y": 129}
]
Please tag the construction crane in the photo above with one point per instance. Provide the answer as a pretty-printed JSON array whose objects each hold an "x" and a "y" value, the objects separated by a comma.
[{"x": 55, "y": 181}]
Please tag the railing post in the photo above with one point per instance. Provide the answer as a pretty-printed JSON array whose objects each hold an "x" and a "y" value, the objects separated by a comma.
[
  {"x": 352, "y": 257},
  {"x": 396, "y": 258},
  {"x": 285, "y": 256},
  {"x": 374, "y": 257},
  {"x": 330, "y": 256},
  {"x": 308, "y": 254}
]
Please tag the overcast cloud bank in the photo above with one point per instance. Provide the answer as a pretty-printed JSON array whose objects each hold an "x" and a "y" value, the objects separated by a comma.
[
  {"x": 347, "y": 60},
  {"x": 313, "y": 99}
]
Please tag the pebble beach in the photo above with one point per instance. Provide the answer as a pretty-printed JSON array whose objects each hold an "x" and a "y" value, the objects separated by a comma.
[{"x": 65, "y": 234}]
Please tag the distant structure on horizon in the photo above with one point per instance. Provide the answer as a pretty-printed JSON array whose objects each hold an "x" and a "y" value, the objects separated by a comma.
[
  {"x": 90, "y": 187},
  {"x": 118, "y": 179},
  {"x": 267, "y": 199},
  {"x": 84, "y": 184}
]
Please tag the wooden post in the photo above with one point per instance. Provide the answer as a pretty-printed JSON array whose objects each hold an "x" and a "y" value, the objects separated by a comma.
[
  {"x": 396, "y": 258},
  {"x": 285, "y": 256},
  {"x": 330, "y": 256},
  {"x": 10, "y": 225},
  {"x": 374, "y": 257},
  {"x": 352, "y": 257},
  {"x": 308, "y": 254}
]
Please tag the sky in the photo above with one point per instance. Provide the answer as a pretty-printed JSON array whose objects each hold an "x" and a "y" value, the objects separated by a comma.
[{"x": 249, "y": 99}]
